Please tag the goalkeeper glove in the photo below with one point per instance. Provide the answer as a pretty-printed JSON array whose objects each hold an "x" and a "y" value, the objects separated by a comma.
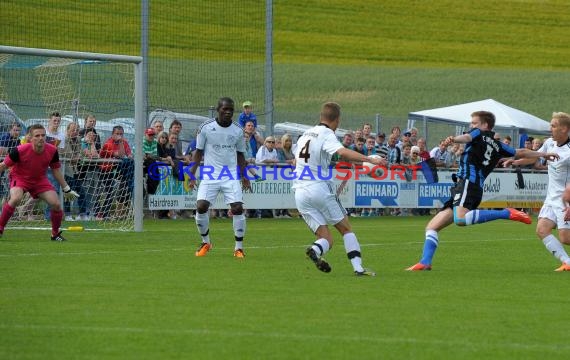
[{"x": 69, "y": 194}]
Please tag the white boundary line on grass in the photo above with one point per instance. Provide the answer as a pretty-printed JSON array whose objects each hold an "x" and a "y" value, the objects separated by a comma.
[
  {"x": 293, "y": 336},
  {"x": 191, "y": 249}
]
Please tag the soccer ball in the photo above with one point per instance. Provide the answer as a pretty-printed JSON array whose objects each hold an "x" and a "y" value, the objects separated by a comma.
[{"x": 378, "y": 169}]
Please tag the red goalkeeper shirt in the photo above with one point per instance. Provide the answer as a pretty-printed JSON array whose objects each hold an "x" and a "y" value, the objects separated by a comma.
[{"x": 29, "y": 166}]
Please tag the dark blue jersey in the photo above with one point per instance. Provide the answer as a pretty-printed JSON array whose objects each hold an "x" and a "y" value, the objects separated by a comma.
[{"x": 481, "y": 156}]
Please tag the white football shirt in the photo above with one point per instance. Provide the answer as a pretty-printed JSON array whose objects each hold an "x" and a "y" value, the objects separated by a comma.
[
  {"x": 220, "y": 146},
  {"x": 558, "y": 171},
  {"x": 313, "y": 155}
]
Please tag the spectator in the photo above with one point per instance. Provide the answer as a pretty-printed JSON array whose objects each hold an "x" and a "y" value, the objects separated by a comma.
[
  {"x": 90, "y": 123},
  {"x": 415, "y": 155},
  {"x": 71, "y": 155},
  {"x": 88, "y": 173},
  {"x": 359, "y": 145},
  {"x": 116, "y": 177},
  {"x": 176, "y": 128},
  {"x": 11, "y": 139},
  {"x": 358, "y": 134},
  {"x": 285, "y": 153},
  {"x": 415, "y": 159},
  {"x": 452, "y": 156},
  {"x": 247, "y": 115},
  {"x": 347, "y": 142},
  {"x": 394, "y": 152},
  {"x": 405, "y": 140},
  {"x": 158, "y": 127},
  {"x": 407, "y": 154},
  {"x": 57, "y": 139},
  {"x": 507, "y": 140},
  {"x": 380, "y": 140},
  {"x": 439, "y": 153},
  {"x": 424, "y": 154},
  {"x": 189, "y": 153},
  {"x": 528, "y": 142},
  {"x": 7, "y": 142},
  {"x": 370, "y": 148},
  {"x": 267, "y": 154},
  {"x": 366, "y": 130},
  {"x": 396, "y": 131},
  {"x": 165, "y": 153},
  {"x": 249, "y": 158},
  {"x": 540, "y": 163},
  {"x": 172, "y": 146},
  {"x": 150, "y": 151},
  {"x": 255, "y": 140},
  {"x": 536, "y": 144}
]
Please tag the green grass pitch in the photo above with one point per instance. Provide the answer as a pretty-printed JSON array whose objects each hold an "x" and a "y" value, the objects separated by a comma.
[{"x": 492, "y": 294}]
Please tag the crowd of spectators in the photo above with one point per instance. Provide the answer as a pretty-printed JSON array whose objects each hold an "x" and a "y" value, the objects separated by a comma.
[{"x": 98, "y": 181}]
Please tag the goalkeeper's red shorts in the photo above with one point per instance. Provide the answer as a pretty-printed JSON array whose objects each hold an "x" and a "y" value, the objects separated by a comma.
[{"x": 37, "y": 187}]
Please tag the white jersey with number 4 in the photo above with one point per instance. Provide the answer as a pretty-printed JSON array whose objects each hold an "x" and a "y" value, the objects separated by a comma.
[
  {"x": 558, "y": 172},
  {"x": 220, "y": 145},
  {"x": 313, "y": 156}
]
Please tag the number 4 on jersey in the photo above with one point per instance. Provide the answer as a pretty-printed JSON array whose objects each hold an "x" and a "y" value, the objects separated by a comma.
[{"x": 304, "y": 153}]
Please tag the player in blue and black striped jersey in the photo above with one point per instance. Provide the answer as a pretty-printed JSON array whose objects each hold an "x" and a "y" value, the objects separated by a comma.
[{"x": 481, "y": 155}]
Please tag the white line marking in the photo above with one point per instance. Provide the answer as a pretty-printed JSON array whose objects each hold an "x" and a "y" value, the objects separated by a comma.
[{"x": 193, "y": 246}]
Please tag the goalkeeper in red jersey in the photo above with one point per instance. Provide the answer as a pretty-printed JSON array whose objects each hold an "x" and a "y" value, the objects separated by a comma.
[{"x": 28, "y": 165}]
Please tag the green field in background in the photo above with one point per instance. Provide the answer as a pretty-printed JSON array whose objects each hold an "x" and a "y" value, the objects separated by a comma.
[{"x": 492, "y": 294}]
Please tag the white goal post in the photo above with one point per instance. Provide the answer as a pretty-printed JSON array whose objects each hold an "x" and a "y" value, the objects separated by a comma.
[{"x": 49, "y": 59}]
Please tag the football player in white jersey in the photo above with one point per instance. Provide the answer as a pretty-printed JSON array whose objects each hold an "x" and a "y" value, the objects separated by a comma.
[
  {"x": 221, "y": 144},
  {"x": 316, "y": 201},
  {"x": 555, "y": 210}
]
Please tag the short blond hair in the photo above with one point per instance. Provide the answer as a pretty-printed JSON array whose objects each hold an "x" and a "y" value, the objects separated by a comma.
[
  {"x": 330, "y": 111},
  {"x": 562, "y": 117}
]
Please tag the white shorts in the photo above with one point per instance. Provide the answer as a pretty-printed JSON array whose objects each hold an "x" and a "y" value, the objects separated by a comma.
[
  {"x": 208, "y": 190},
  {"x": 318, "y": 205},
  {"x": 554, "y": 214}
]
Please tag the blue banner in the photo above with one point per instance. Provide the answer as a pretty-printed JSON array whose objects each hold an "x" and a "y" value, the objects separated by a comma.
[{"x": 385, "y": 192}]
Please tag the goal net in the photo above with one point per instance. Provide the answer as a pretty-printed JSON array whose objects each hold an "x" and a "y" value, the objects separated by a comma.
[{"x": 79, "y": 89}]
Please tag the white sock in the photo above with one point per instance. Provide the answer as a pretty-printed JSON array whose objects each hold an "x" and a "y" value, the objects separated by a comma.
[
  {"x": 556, "y": 248},
  {"x": 321, "y": 246},
  {"x": 239, "y": 230},
  {"x": 352, "y": 248},
  {"x": 203, "y": 224}
]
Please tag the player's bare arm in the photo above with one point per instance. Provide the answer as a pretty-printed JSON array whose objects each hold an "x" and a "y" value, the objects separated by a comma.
[
  {"x": 352, "y": 155},
  {"x": 197, "y": 159},
  {"x": 460, "y": 139},
  {"x": 68, "y": 192},
  {"x": 242, "y": 164},
  {"x": 533, "y": 155}
]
